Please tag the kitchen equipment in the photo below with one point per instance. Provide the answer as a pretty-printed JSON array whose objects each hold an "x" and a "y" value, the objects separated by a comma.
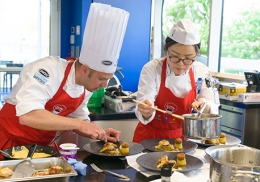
[
  {"x": 46, "y": 149},
  {"x": 208, "y": 126},
  {"x": 200, "y": 111},
  {"x": 25, "y": 168},
  {"x": 56, "y": 137},
  {"x": 160, "y": 110},
  {"x": 120, "y": 103},
  {"x": 253, "y": 81},
  {"x": 5, "y": 153},
  {"x": 40, "y": 165},
  {"x": 101, "y": 171},
  {"x": 234, "y": 163}
]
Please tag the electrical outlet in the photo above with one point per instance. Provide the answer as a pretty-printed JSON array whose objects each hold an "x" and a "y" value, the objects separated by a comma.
[
  {"x": 72, "y": 51},
  {"x": 78, "y": 30},
  {"x": 77, "y": 51}
]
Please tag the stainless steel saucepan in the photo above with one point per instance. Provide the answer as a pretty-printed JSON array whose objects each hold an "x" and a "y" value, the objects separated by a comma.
[
  {"x": 233, "y": 163},
  {"x": 208, "y": 126},
  {"x": 204, "y": 126}
]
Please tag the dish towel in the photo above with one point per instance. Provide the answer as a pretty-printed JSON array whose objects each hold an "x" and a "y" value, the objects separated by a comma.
[
  {"x": 177, "y": 177},
  {"x": 79, "y": 167},
  {"x": 131, "y": 160}
]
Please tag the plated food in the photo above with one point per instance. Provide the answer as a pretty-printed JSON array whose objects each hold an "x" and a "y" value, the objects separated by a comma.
[
  {"x": 168, "y": 145},
  {"x": 155, "y": 160},
  {"x": 109, "y": 149},
  {"x": 112, "y": 149},
  {"x": 224, "y": 139},
  {"x": 164, "y": 161}
]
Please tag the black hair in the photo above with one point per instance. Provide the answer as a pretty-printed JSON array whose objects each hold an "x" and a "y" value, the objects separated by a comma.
[{"x": 169, "y": 42}]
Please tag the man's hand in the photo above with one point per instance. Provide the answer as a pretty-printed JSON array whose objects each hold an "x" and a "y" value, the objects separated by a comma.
[
  {"x": 112, "y": 135},
  {"x": 92, "y": 130}
]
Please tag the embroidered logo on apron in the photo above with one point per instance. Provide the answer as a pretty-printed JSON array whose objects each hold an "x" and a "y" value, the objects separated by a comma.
[
  {"x": 171, "y": 107},
  {"x": 58, "y": 109}
]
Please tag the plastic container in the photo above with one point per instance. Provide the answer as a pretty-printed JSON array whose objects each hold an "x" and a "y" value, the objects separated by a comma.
[
  {"x": 68, "y": 150},
  {"x": 231, "y": 89},
  {"x": 96, "y": 98}
]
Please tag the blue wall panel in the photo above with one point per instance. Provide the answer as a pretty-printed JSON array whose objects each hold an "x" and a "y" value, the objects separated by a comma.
[{"x": 135, "y": 50}]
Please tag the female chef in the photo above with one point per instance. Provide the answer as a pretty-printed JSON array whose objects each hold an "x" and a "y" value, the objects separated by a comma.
[
  {"x": 171, "y": 83},
  {"x": 52, "y": 93}
]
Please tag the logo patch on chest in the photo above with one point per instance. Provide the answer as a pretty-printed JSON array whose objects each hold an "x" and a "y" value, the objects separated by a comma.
[
  {"x": 44, "y": 73},
  {"x": 40, "y": 78}
]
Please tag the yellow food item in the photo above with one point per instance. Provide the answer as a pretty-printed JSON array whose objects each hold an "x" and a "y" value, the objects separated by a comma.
[
  {"x": 124, "y": 148},
  {"x": 164, "y": 145},
  {"x": 181, "y": 159},
  {"x": 23, "y": 153},
  {"x": 6, "y": 172},
  {"x": 222, "y": 138},
  {"x": 178, "y": 143},
  {"x": 49, "y": 171},
  {"x": 110, "y": 148},
  {"x": 163, "y": 161},
  {"x": 55, "y": 170},
  {"x": 41, "y": 173},
  {"x": 211, "y": 141}
]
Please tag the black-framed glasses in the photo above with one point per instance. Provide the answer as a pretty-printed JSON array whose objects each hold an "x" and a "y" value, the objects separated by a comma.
[{"x": 185, "y": 61}]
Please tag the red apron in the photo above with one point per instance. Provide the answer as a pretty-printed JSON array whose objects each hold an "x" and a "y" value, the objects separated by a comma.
[
  {"x": 164, "y": 125},
  {"x": 12, "y": 133}
]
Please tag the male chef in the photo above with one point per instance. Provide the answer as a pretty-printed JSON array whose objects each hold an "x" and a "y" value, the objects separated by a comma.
[{"x": 52, "y": 93}]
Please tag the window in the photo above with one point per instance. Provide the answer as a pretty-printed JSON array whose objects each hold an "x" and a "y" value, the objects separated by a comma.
[
  {"x": 30, "y": 29},
  {"x": 240, "y": 45},
  {"x": 173, "y": 10},
  {"x": 230, "y": 31},
  {"x": 25, "y": 30}
]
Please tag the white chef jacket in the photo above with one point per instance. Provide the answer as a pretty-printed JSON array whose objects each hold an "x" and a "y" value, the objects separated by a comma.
[
  {"x": 150, "y": 81},
  {"x": 29, "y": 94}
]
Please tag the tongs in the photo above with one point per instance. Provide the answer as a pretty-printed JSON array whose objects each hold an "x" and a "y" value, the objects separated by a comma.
[
  {"x": 200, "y": 111},
  {"x": 160, "y": 110}
]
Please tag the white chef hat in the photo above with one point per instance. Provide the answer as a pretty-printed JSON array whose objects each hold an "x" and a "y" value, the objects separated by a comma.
[
  {"x": 103, "y": 37},
  {"x": 185, "y": 32}
]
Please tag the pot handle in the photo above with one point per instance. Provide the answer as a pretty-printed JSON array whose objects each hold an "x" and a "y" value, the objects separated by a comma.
[{"x": 246, "y": 172}]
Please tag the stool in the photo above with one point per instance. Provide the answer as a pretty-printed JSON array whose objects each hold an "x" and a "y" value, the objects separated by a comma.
[{"x": 10, "y": 73}]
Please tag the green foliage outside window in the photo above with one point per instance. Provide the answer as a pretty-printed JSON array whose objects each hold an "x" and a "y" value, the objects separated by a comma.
[
  {"x": 240, "y": 37},
  {"x": 197, "y": 11}
]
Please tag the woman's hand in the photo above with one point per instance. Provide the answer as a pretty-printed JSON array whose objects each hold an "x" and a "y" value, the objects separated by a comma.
[
  {"x": 146, "y": 111},
  {"x": 198, "y": 104}
]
